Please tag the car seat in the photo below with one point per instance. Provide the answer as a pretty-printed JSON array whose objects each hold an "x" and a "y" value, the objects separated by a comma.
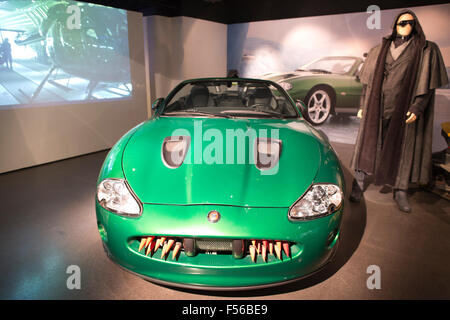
[{"x": 199, "y": 96}]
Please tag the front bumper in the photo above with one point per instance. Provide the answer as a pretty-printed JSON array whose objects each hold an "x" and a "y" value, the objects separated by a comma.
[{"x": 311, "y": 246}]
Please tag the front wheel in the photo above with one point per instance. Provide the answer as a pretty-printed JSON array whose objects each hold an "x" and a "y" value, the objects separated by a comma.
[{"x": 318, "y": 106}]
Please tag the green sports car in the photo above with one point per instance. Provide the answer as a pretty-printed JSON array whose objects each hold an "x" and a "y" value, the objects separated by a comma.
[
  {"x": 225, "y": 187},
  {"x": 328, "y": 85}
]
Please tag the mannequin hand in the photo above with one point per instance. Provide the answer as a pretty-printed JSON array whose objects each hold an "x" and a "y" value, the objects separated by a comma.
[
  {"x": 359, "y": 115},
  {"x": 411, "y": 117}
]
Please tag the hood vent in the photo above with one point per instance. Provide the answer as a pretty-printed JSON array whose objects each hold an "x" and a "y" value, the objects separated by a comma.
[
  {"x": 174, "y": 150},
  {"x": 267, "y": 153}
]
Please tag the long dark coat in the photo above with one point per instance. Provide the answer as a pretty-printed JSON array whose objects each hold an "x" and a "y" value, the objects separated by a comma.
[{"x": 415, "y": 160}]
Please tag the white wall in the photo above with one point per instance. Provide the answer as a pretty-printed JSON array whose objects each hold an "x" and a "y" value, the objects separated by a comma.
[
  {"x": 181, "y": 48},
  {"x": 163, "y": 52},
  {"x": 36, "y": 135}
]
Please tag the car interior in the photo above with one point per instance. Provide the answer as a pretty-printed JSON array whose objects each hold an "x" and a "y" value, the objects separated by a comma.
[{"x": 220, "y": 98}]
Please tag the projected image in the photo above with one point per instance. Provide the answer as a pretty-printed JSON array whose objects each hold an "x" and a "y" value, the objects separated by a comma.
[
  {"x": 279, "y": 48},
  {"x": 55, "y": 51}
]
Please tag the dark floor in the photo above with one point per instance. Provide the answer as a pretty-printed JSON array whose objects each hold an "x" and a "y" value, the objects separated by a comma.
[{"x": 48, "y": 223}]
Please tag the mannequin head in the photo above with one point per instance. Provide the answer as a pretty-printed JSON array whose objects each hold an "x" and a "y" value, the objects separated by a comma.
[{"x": 405, "y": 28}]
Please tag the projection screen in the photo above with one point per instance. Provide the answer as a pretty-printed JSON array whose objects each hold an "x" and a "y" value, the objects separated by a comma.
[{"x": 72, "y": 80}]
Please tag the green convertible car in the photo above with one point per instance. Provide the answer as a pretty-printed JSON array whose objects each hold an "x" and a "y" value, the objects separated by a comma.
[
  {"x": 328, "y": 85},
  {"x": 226, "y": 187}
]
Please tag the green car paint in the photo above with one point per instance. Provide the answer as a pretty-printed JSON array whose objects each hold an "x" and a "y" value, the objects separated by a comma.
[
  {"x": 176, "y": 203},
  {"x": 310, "y": 252},
  {"x": 205, "y": 183},
  {"x": 344, "y": 88}
]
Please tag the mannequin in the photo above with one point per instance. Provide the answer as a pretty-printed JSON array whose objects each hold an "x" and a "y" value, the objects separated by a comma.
[
  {"x": 404, "y": 31},
  {"x": 394, "y": 141}
]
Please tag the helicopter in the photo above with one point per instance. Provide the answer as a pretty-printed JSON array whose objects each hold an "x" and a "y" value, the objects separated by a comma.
[{"x": 96, "y": 49}]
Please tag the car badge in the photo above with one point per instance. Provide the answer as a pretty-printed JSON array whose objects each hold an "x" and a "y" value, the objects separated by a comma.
[{"x": 213, "y": 216}]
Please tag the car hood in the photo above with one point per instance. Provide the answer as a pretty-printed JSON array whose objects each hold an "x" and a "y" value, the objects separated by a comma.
[
  {"x": 226, "y": 184},
  {"x": 293, "y": 75}
]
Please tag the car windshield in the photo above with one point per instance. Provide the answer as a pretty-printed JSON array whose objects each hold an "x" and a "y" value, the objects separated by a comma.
[
  {"x": 229, "y": 98},
  {"x": 330, "y": 65}
]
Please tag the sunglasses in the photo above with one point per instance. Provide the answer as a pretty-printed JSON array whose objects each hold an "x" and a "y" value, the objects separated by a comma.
[{"x": 405, "y": 22}]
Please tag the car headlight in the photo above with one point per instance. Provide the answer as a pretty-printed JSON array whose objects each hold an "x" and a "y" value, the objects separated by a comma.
[
  {"x": 115, "y": 195},
  {"x": 320, "y": 200},
  {"x": 286, "y": 85}
]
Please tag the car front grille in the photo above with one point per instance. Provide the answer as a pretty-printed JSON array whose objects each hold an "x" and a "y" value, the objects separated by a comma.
[
  {"x": 170, "y": 247},
  {"x": 214, "y": 245}
]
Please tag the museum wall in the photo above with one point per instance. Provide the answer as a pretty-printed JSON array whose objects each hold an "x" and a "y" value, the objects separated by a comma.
[
  {"x": 273, "y": 49},
  {"x": 166, "y": 50},
  {"x": 283, "y": 45},
  {"x": 40, "y": 132},
  {"x": 181, "y": 48}
]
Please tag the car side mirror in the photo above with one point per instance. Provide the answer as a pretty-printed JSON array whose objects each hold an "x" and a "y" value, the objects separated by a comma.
[
  {"x": 301, "y": 106},
  {"x": 157, "y": 103},
  {"x": 358, "y": 72}
]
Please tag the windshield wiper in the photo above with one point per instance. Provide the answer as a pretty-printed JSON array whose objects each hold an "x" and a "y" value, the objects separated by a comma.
[
  {"x": 255, "y": 112},
  {"x": 319, "y": 70},
  {"x": 196, "y": 112}
]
